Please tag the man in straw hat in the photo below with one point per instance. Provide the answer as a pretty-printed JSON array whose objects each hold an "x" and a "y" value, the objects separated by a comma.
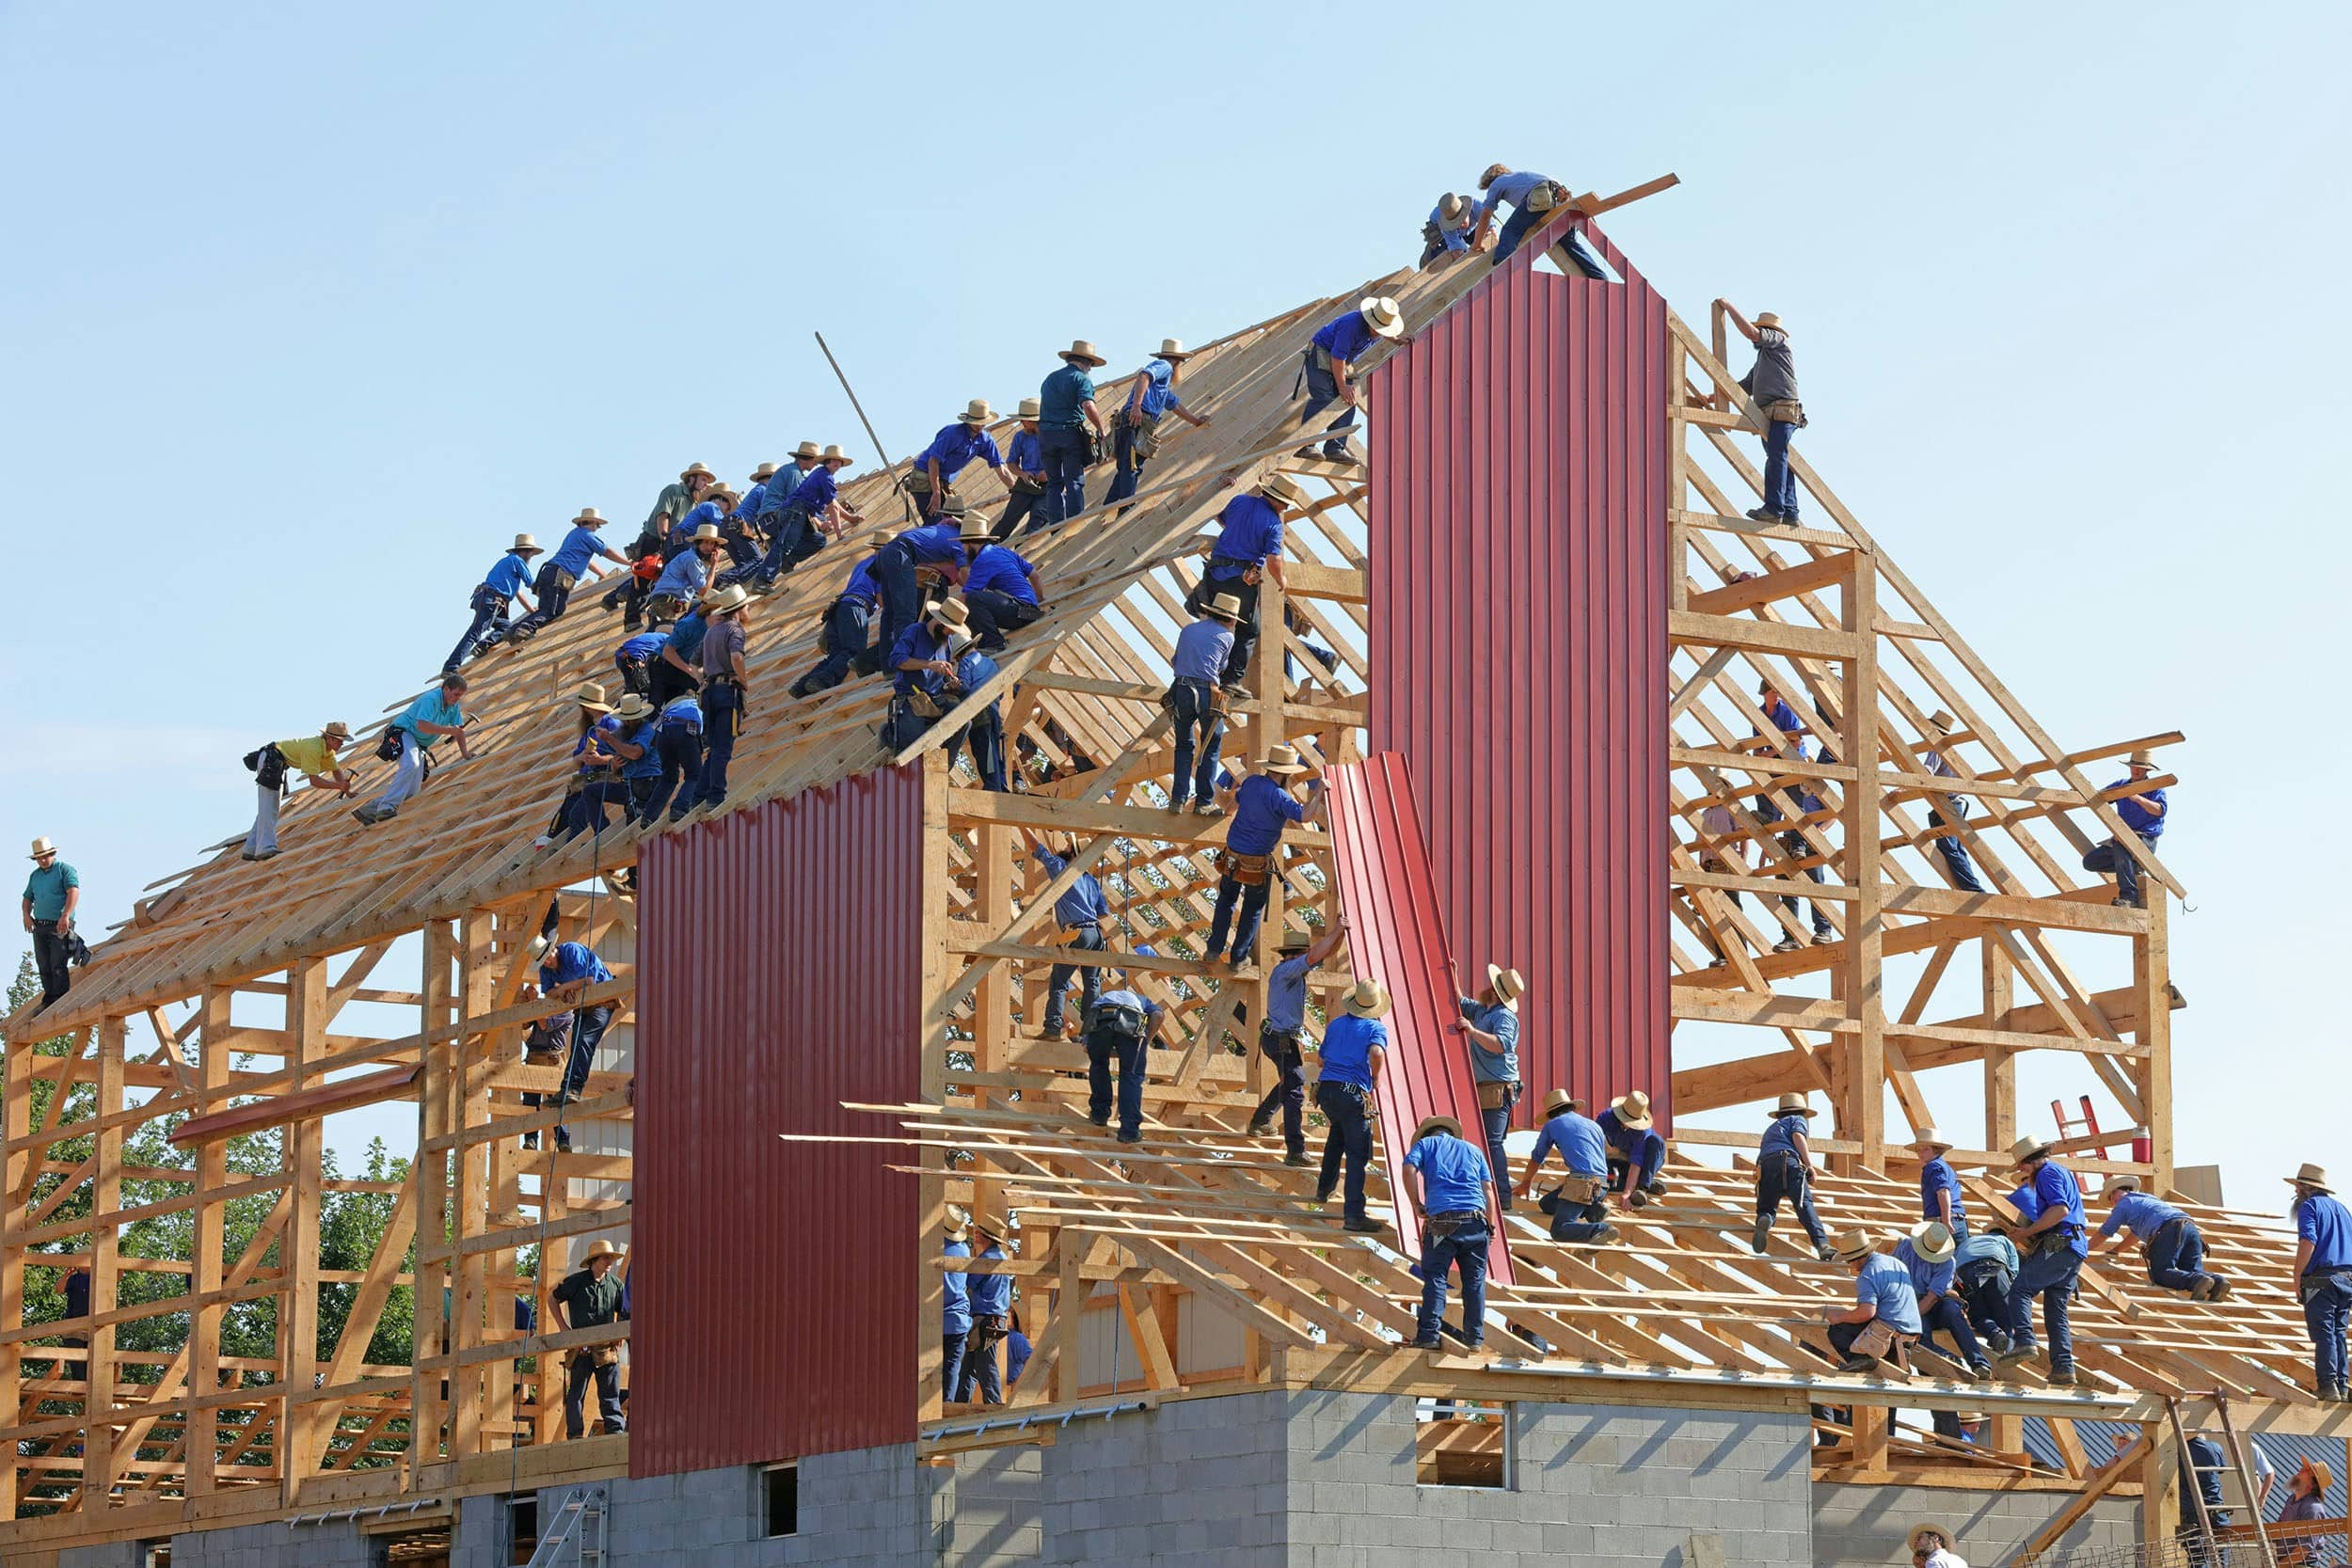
[
  {"x": 1262, "y": 807},
  {"x": 1204, "y": 648},
  {"x": 1772, "y": 381},
  {"x": 1354, "y": 1048},
  {"x": 2323, "y": 1277},
  {"x": 2053, "y": 1247},
  {"x": 580, "y": 551},
  {"x": 1636, "y": 1151},
  {"x": 1534, "y": 201},
  {"x": 687, "y": 576},
  {"x": 1884, "y": 1318},
  {"x": 991, "y": 1306},
  {"x": 312, "y": 756},
  {"x": 1249, "y": 547},
  {"x": 1784, "y": 1173},
  {"x": 937, "y": 547},
  {"x": 566, "y": 973},
  {"x": 493, "y": 597},
  {"x": 1982, "y": 1271},
  {"x": 1447, "y": 1181},
  {"x": 955, "y": 1313},
  {"x": 1448, "y": 230},
  {"x": 2170, "y": 1241},
  {"x": 677, "y": 500},
  {"x": 725, "y": 690},
  {"x": 1025, "y": 454},
  {"x": 639, "y": 655},
  {"x": 1065, "y": 409},
  {"x": 1579, "y": 1206},
  {"x": 1939, "y": 1187},
  {"x": 1119, "y": 1027},
  {"x": 1135, "y": 435},
  {"x": 1282, "y": 1036},
  {"x": 847, "y": 622},
  {"x": 1951, "y": 809},
  {"x": 1932, "y": 1548},
  {"x": 1001, "y": 585},
  {"x": 2144, "y": 811},
  {"x": 1928, "y": 1252},
  {"x": 590, "y": 1297},
  {"x": 984, "y": 734},
  {"x": 932, "y": 474},
  {"x": 677, "y": 749},
  {"x": 755, "y": 497},
  {"x": 924, "y": 662},
  {"x": 1329, "y": 367},
  {"x": 637, "y": 743},
  {"x": 52, "y": 894},
  {"x": 411, "y": 736},
  {"x": 798, "y": 523},
  {"x": 1489, "y": 1022},
  {"x": 1080, "y": 914}
]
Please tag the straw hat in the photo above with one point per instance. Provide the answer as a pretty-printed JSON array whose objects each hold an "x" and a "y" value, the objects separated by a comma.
[
  {"x": 2141, "y": 758},
  {"x": 1927, "y": 1139},
  {"x": 973, "y": 527},
  {"x": 1436, "y": 1124},
  {"x": 1367, "y": 1000},
  {"x": 2027, "y": 1148},
  {"x": 1381, "y": 314},
  {"x": 42, "y": 847},
  {"x": 2321, "y": 1474},
  {"x": 1558, "y": 1100},
  {"x": 1494, "y": 172},
  {"x": 1454, "y": 211},
  {"x": 2115, "y": 1186},
  {"x": 1540, "y": 199},
  {"x": 764, "y": 473},
  {"x": 1294, "y": 943},
  {"x": 959, "y": 1225},
  {"x": 1282, "y": 490},
  {"x": 1030, "y": 408},
  {"x": 632, "y": 707},
  {"x": 2313, "y": 1176},
  {"x": 1224, "y": 607},
  {"x": 1791, "y": 1102},
  {"x": 525, "y": 544},
  {"x": 1173, "y": 348},
  {"x": 1942, "y": 722},
  {"x": 1507, "y": 983},
  {"x": 1766, "y": 321},
  {"x": 591, "y": 695},
  {"x": 337, "y": 730},
  {"x": 951, "y": 613},
  {"x": 692, "y": 468},
  {"x": 877, "y": 539},
  {"x": 707, "y": 533},
  {"x": 832, "y": 455},
  {"x": 725, "y": 600},
  {"x": 989, "y": 1223},
  {"x": 589, "y": 515},
  {"x": 1854, "y": 1246},
  {"x": 1934, "y": 1241},
  {"x": 1632, "y": 1110},
  {"x": 806, "y": 449},
  {"x": 597, "y": 1249},
  {"x": 977, "y": 412},
  {"x": 1281, "y": 759},
  {"x": 719, "y": 495},
  {"x": 1943, "y": 1536},
  {"x": 1084, "y": 353}
]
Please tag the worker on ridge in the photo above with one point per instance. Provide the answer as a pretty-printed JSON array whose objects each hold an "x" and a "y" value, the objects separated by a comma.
[
  {"x": 1884, "y": 1318},
  {"x": 500, "y": 586},
  {"x": 1025, "y": 454},
  {"x": 1949, "y": 810},
  {"x": 1533, "y": 201},
  {"x": 1195, "y": 704},
  {"x": 1119, "y": 1026},
  {"x": 1249, "y": 547},
  {"x": 687, "y": 576},
  {"x": 923, "y": 662},
  {"x": 936, "y": 546},
  {"x": 1636, "y": 1152},
  {"x": 1772, "y": 381},
  {"x": 1330, "y": 360},
  {"x": 713, "y": 510},
  {"x": 2053, "y": 1248},
  {"x": 315, "y": 758},
  {"x": 1080, "y": 914},
  {"x": 1447, "y": 1180},
  {"x": 799, "y": 524},
  {"x": 2145, "y": 814},
  {"x": 1579, "y": 1206},
  {"x": 1152, "y": 395},
  {"x": 1939, "y": 1187},
  {"x": 1281, "y": 1036},
  {"x": 1001, "y": 586},
  {"x": 2323, "y": 1277},
  {"x": 675, "y": 501},
  {"x": 931, "y": 476},
  {"x": 52, "y": 894},
  {"x": 984, "y": 734},
  {"x": 1784, "y": 1173},
  {"x": 578, "y": 552},
  {"x": 1928, "y": 1252},
  {"x": 1448, "y": 230},
  {"x": 846, "y": 621},
  {"x": 991, "y": 1297},
  {"x": 1354, "y": 1047},
  {"x": 726, "y": 689},
  {"x": 1066, "y": 408},
  {"x": 590, "y": 1297},
  {"x": 2168, "y": 1238},
  {"x": 1262, "y": 805},
  {"x": 435, "y": 713},
  {"x": 1489, "y": 1022}
]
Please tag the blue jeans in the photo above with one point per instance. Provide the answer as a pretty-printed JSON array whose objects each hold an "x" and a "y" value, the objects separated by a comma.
[
  {"x": 609, "y": 1407},
  {"x": 1956, "y": 853},
  {"x": 1130, "y": 472},
  {"x": 1650, "y": 1156},
  {"x": 1515, "y": 229},
  {"x": 1780, "y": 1179},
  {"x": 588, "y": 1027},
  {"x": 1087, "y": 939},
  {"x": 984, "y": 737},
  {"x": 2325, "y": 1315},
  {"x": 1345, "y": 1107},
  {"x": 1465, "y": 1249},
  {"x": 2176, "y": 1256},
  {"x": 1496, "y": 1123},
  {"x": 980, "y": 1374},
  {"x": 587, "y": 805},
  {"x": 489, "y": 615},
  {"x": 1104, "y": 1047},
  {"x": 680, "y": 749},
  {"x": 1225, "y": 576},
  {"x": 846, "y": 625},
  {"x": 1793, "y": 844},
  {"x": 1253, "y": 901},
  {"x": 1289, "y": 1094},
  {"x": 1952, "y": 1317},
  {"x": 2052, "y": 1278},
  {"x": 1323, "y": 389},
  {"x": 2113, "y": 857},
  {"x": 722, "y": 720},
  {"x": 1575, "y": 1222},
  {"x": 1191, "y": 701},
  {"x": 791, "y": 539},
  {"x": 951, "y": 1359},
  {"x": 1780, "y": 481},
  {"x": 1985, "y": 1289},
  {"x": 892, "y": 572},
  {"x": 1063, "y": 450}
]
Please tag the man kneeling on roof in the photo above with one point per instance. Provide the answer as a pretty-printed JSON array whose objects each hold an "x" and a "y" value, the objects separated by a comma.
[
  {"x": 1579, "y": 1206},
  {"x": 1928, "y": 1252},
  {"x": 1448, "y": 1179},
  {"x": 1120, "y": 1028},
  {"x": 312, "y": 755},
  {"x": 2174, "y": 1247},
  {"x": 1884, "y": 1317},
  {"x": 1635, "y": 1150}
]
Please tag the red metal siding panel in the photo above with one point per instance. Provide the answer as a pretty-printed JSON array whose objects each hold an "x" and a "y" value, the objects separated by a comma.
[
  {"x": 774, "y": 1285},
  {"x": 1518, "y": 493},
  {"x": 1396, "y": 935}
]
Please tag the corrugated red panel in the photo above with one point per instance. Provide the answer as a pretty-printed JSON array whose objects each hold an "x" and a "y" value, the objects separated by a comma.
[
  {"x": 1518, "y": 495},
  {"x": 1396, "y": 935},
  {"x": 774, "y": 1284}
]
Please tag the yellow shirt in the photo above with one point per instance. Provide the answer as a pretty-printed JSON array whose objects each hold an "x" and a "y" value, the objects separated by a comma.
[{"x": 307, "y": 756}]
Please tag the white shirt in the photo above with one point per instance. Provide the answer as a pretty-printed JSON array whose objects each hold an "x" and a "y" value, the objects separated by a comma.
[{"x": 1943, "y": 1558}]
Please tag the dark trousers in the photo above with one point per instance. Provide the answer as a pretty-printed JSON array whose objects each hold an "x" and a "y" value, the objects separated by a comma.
[
  {"x": 2176, "y": 1256},
  {"x": 1793, "y": 844},
  {"x": 1948, "y": 1315},
  {"x": 1575, "y": 1222},
  {"x": 2326, "y": 1310},
  {"x": 980, "y": 1374},
  {"x": 1955, "y": 854},
  {"x": 1323, "y": 390},
  {"x": 722, "y": 720},
  {"x": 1494, "y": 1121},
  {"x": 742, "y": 552},
  {"x": 489, "y": 615},
  {"x": 1781, "y": 1179},
  {"x": 984, "y": 737},
  {"x": 1347, "y": 1109},
  {"x": 1643, "y": 1165},
  {"x": 1130, "y": 467},
  {"x": 666, "y": 681},
  {"x": 1464, "y": 1249},
  {"x": 588, "y": 1027},
  {"x": 1515, "y": 228},
  {"x": 1020, "y": 506},
  {"x": 583, "y": 1367},
  {"x": 1105, "y": 1047},
  {"x": 1780, "y": 480},
  {"x": 1280, "y": 1048},
  {"x": 1063, "y": 450},
  {"x": 635, "y": 675},
  {"x": 1245, "y": 630},
  {"x": 552, "y": 601},
  {"x": 587, "y": 805},
  {"x": 680, "y": 749},
  {"x": 2051, "y": 1278},
  {"x": 1087, "y": 939},
  {"x": 792, "y": 538},
  {"x": 844, "y": 638},
  {"x": 902, "y": 598},
  {"x": 1200, "y": 737},
  {"x": 2113, "y": 857},
  {"x": 1253, "y": 901},
  {"x": 951, "y": 1343},
  {"x": 49, "y": 951},
  {"x": 1985, "y": 1289},
  {"x": 995, "y": 613}
]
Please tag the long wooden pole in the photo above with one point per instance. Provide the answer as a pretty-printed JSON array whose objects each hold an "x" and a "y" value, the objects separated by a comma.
[{"x": 898, "y": 484}]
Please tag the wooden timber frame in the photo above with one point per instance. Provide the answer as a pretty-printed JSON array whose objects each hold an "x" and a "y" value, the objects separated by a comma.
[{"x": 1198, "y": 1263}]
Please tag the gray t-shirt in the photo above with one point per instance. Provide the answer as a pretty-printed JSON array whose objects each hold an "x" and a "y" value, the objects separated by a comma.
[
  {"x": 720, "y": 644},
  {"x": 1776, "y": 373}
]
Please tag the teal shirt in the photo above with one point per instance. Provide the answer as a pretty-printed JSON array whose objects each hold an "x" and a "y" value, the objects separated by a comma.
[
  {"x": 431, "y": 710},
  {"x": 1063, "y": 397},
  {"x": 47, "y": 888}
]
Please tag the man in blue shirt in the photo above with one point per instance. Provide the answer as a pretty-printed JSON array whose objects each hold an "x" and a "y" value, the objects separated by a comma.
[
  {"x": 1079, "y": 914},
  {"x": 1001, "y": 586},
  {"x": 1793, "y": 844},
  {"x": 637, "y": 744},
  {"x": 1885, "y": 1314},
  {"x": 1065, "y": 409},
  {"x": 578, "y": 553},
  {"x": 677, "y": 669},
  {"x": 1330, "y": 360},
  {"x": 677, "y": 500},
  {"x": 1025, "y": 454},
  {"x": 1203, "y": 649},
  {"x": 677, "y": 748},
  {"x": 799, "y": 522},
  {"x": 955, "y": 1314},
  {"x": 991, "y": 1297},
  {"x": 931, "y": 476},
  {"x": 984, "y": 735},
  {"x": 1784, "y": 1173},
  {"x": 1282, "y": 1036},
  {"x": 2323, "y": 1277},
  {"x": 1248, "y": 543},
  {"x": 1928, "y": 1252},
  {"x": 1944, "y": 810},
  {"x": 2143, "y": 812},
  {"x": 2168, "y": 1240},
  {"x": 1982, "y": 1272},
  {"x": 52, "y": 894},
  {"x": 1939, "y": 1188},
  {"x": 564, "y": 978},
  {"x": 1262, "y": 807},
  {"x": 2053, "y": 1246},
  {"x": 685, "y": 578},
  {"x": 500, "y": 587},
  {"x": 1448, "y": 1183},
  {"x": 434, "y": 714},
  {"x": 739, "y": 545},
  {"x": 848, "y": 620},
  {"x": 636, "y": 657},
  {"x": 1636, "y": 1151},
  {"x": 937, "y": 547},
  {"x": 923, "y": 664},
  {"x": 1579, "y": 1206},
  {"x": 1534, "y": 201},
  {"x": 1150, "y": 395},
  {"x": 1490, "y": 1023},
  {"x": 1119, "y": 1026},
  {"x": 1354, "y": 1047},
  {"x": 1448, "y": 230}
]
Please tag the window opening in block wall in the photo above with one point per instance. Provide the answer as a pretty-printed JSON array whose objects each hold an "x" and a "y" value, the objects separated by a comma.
[
  {"x": 782, "y": 1485},
  {"x": 522, "y": 1528},
  {"x": 1462, "y": 1443}
]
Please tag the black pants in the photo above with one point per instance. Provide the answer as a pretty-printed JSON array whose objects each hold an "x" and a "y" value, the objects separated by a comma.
[
  {"x": 1018, "y": 507},
  {"x": 847, "y": 622},
  {"x": 49, "y": 951},
  {"x": 1781, "y": 1179},
  {"x": 1281, "y": 1047},
  {"x": 552, "y": 602},
  {"x": 995, "y": 613},
  {"x": 984, "y": 737},
  {"x": 608, "y": 1378}
]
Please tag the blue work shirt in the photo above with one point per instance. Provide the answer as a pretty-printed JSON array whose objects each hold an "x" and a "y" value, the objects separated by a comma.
[
  {"x": 1158, "y": 396},
  {"x": 1286, "y": 995},
  {"x": 1508, "y": 188},
  {"x": 974, "y": 669},
  {"x": 648, "y": 763},
  {"x": 991, "y": 1293},
  {"x": 1452, "y": 239},
  {"x": 1783, "y": 719},
  {"x": 861, "y": 584},
  {"x": 754, "y": 499},
  {"x": 47, "y": 887},
  {"x": 1936, "y": 1175},
  {"x": 1347, "y": 1048},
  {"x": 1252, "y": 533},
  {"x": 779, "y": 491},
  {"x": 1134, "y": 1000},
  {"x": 705, "y": 512},
  {"x": 1062, "y": 397},
  {"x": 1927, "y": 1280},
  {"x": 685, "y": 577},
  {"x": 1579, "y": 1139},
  {"x": 1626, "y": 1141},
  {"x": 571, "y": 961},
  {"x": 815, "y": 493},
  {"x": 686, "y": 637},
  {"x": 2053, "y": 1186},
  {"x": 955, "y": 447},
  {"x": 1782, "y": 1135},
  {"x": 2137, "y": 818},
  {"x": 2026, "y": 1202},
  {"x": 2141, "y": 1215},
  {"x": 647, "y": 646},
  {"x": 1261, "y": 807},
  {"x": 1454, "y": 1174},
  {"x": 579, "y": 547},
  {"x": 428, "y": 709},
  {"x": 591, "y": 743},
  {"x": 1084, "y": 903},
  {"x": 1347, "y": 336},
  {"x": 1017, "y": 1351},
  {"x": 2323, "y": 1222},
  {"x": 1990, "y": 1244},
  {"x": 508, "y": 577},
  {"x": 940, "y": 544},
  {"x": 919, "y": 640},
  {"x": 1492, "y": 1066},
  {"x": 1026, "y": 452},
  {"x": 681, "y": 713},
  {"x": 1202, "y": 649},
  {"x": 1884, "y": 1285},
  {"x": 1001, "y": 567},
  {"x": 955, "y": 1313}
]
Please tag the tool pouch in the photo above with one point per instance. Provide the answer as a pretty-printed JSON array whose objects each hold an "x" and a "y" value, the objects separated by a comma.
[
  {"x": 1249, "y": 870},
  {"x": 1876, "y": 1339},
  {"x": 1493, "y": 1097},
  {"x": 1785, "y": 411}
]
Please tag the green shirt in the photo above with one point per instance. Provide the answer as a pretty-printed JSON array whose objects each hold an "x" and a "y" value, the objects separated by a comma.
[
  {"x": 47, "y": 889},
  {"x": 674, "y": 502},
  {"x": 307, "y": 756},
  {"x": 587, "y": 1301}
]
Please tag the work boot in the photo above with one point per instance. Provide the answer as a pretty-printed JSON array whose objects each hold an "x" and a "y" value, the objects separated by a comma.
[
  {"x": 1424, "y": 1344},
  {"x": 1981, "y": 1371},
  {"x": 1323, "y": 1194},
  {"x": 531, "y": 1140},
  {"x": 1335, "y": 452},
  {"x": 1130, "y": 1137},
  {"x": 1997, "y": 1339},
  {"x": 1859, "y": 1364},
  {"x": 1826, "y": 1253},
  {"x": 1256, "y": 1127},
  {"x": 1298, "y": 1159},
  {"x": 2016, "y": 1351},
  {"x": 1765, "y": 514},
  {"x": 2220, "y": 1291},
  {"x": 1656, "y": 1186},
  {"x": 1208, "y": 808},
  {"x": 1638, "y": 1197},
  {"x": 1102, "y": 1120},
  {"x": 1604, "y": 1235},
  {"x": 1758, "y": 1235},
  {"x": 1365, "y": 1226},
  {"x": 2064, "y": 1377},
  {"x": 563, "y": 1141},
  {"x": 2201, "y": 1288},
  {"x": 1787, "y": 945}
]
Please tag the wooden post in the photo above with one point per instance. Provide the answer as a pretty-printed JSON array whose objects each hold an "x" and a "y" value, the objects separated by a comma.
[
  {"x": 436, "y": 1117},
  {"x": 298, "y": 1447},
  {"x": 99, "y": 1458},
  {"x": 212, "y": 1173},
  {"x": 2150, "y": 965},
  {"x": 16, "y": 1123},
  {"x": 1863, "y": 1118}
]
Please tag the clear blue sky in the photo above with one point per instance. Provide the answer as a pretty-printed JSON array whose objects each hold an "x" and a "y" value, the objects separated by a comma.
[{"x": 308, "y": 310}]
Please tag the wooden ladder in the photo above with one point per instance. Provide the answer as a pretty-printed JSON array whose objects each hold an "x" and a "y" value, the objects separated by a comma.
[{"x": 2233, "y": 1447}]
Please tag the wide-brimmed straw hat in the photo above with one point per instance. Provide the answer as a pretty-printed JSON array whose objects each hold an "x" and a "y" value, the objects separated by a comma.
[
  {"x": 1854, "y": 1243},
  {"x": 1224, "y": 607},
  {"x": 725, "y": 600},
  {"x": 1367, "y": 1000},
  {"x": 1942, "y": 722},
  {"x": 707, "y": 533},
  {"x": 1436, "y": 1124},
  {"x": 977, "y": 412},
  {"x": 1283, "y": 490},
  {"x": 2028, "y": 1149},
  {"x": 524, "y": 545},
  {"x": 1632, "y": 1109},
  {"x": 1084, "y": 353},
  {"x": 990, "y": 1223},
  {"x": 1030, "y": 408},
  {"x": 2141, "y": 758},
  {"x": 597, "y": 1249},
  {"x": 806, "y": 449},
  {"x": 1381, "y": 314},
  {"x": 1767, "y": 320},
  {"x": 1934, "y": 1241},
  {"x": 1937, "y": 1530},
  {"x": 1173, "y": 348},
  {"x": 591, "y": 695},
  {"x": 633, "y": 707},
  {"x": 1509, "y": 984},
  {"x": 42, "y": 847},
  {"x": 952, "y": 613},
  {"x": 1281, "y": 759},
  {"x": 2313, "y": 1176},
  {"x": 973, "y": 527},
  {"x": 1558, "y": 1100},
  {"x": 1454, "y": 212},
  {"x": 719, "y": 493},
  {"x": 589, "y": 515},
  {"x": 832, "y": 455},
  {"x": 335, "y": 730},
  {"x": 1789, "y": 1103},
  {"x": 2115, "y": 1186},
  {"x": 692, "y": 468},
  {"x": 1927, "y": 1139},
  {"x": 763, "y": 473}
]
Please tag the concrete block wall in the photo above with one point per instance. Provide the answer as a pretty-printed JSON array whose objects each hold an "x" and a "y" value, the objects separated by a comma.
[
  {"x": 108, "y": 1554},
  {"x": 1865, "y": 1525},
  {"x": 336, "y": 1545},
  {"x": 1196, "y": 1482}
]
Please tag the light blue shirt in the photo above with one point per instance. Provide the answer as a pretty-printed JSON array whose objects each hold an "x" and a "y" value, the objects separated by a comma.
[
  {"x": 1508, "y": 188},
  {"x": 579, "y": 547},
  {"x": 1158, "y": 396},
  {"x": 1084, "y": 902},
  {"x": 685, "y": 576},
  {"x": 1927, "y": 1280},
  {"x": 428, "y": 709},
  {"x": 1579, "y": 1139},
  {"x": 1453, "y": 1173},
  {"x": 1884, "y": 1285},
  {"x": 1782, "y": 1135},
  {"x": 1347, "y": 1048},
  {"x": 991, "y": 1293},
  {"x": 1988, "y": 1245},
  {"x": 1493, "y": 1067},
  {"x": 1202, "y": 649},
  {"x": 1286, "y": 995},
  {"x": 2141, "y": 1214},
  {"x": 955, "y": 1315}
]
